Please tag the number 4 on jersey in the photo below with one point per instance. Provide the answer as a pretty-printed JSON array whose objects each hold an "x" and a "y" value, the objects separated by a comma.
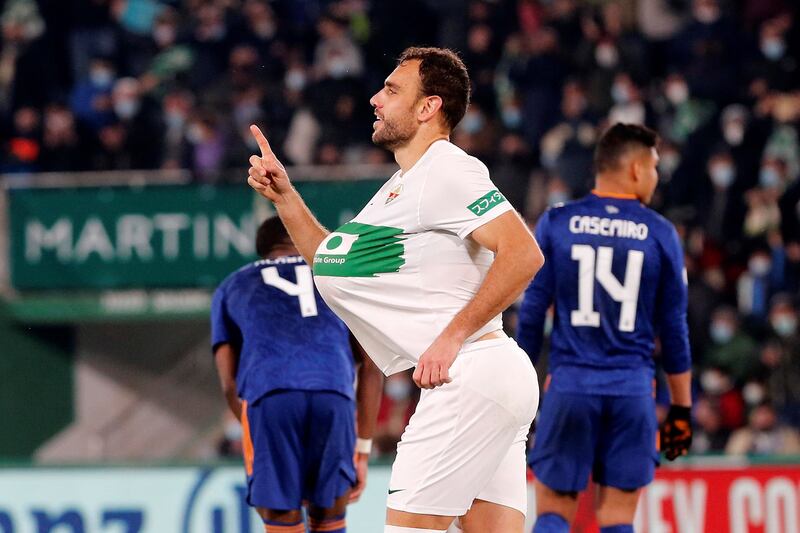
[
  {"x": 303, "y": 289},
  {"x": 626, "y": 293}
]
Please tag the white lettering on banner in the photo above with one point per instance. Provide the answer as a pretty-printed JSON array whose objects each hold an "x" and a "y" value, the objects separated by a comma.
[
  {"x": 781, "y": 503},
  {"x": 131, "y": 237},
  {"x": 133, "y": 234},
  {"x": 227, "y": 233},
  {"x": 687, "y": 499},
  {"x": 657, "y": 492},
  {"x": 170, "y": 225},
  {"x": 744, "y": 505},
  {"x": 38, "y": 238},
  {"x": 690, "y": 506},
  {"x": 201, "y": 238},
  {"x": 94, "y": 239}
]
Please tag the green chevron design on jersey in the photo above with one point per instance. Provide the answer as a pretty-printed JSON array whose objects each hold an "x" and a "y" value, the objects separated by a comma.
[
  {"x": 358, "y": 250},
  {"x": 486, "y": 202}
]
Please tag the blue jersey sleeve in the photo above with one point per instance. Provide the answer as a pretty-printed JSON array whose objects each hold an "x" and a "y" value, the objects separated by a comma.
[
  {"x": 672, "y": 303},
  {"x": 223, "y": 328},
  {"x": 538, "y": 297}
]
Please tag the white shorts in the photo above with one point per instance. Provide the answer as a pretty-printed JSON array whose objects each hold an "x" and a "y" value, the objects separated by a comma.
[{"x": 466, "y": 440}]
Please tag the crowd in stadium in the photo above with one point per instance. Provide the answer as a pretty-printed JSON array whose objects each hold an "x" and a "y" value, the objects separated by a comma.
[{"x": 161, "y": 84}]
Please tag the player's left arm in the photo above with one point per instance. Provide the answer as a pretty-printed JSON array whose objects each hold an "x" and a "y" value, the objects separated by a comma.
[
  {"x": 676, "y": 433},
  {"x": 517, "y": 259},
  {"x": 368, "y": 398}
]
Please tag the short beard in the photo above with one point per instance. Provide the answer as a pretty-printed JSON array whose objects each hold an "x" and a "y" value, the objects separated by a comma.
[{"x": 392, "y": 137}]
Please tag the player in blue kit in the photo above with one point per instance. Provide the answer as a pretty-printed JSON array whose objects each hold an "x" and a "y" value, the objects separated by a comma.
[
  {"x": 287, "y": 372},
  {"x": 614, "y": 272}
]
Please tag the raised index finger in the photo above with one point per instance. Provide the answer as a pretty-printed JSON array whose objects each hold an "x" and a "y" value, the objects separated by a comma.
[{"x": 263, "y": 144}]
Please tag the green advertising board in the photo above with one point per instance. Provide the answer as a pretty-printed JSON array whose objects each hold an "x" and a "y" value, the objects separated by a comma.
[{"x": 168, "y": 236}]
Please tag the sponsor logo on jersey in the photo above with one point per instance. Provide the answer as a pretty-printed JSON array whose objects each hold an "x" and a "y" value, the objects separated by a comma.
[
  {"x": 360, "y": 250},
  {"x": 486, "y": 202},
  {"x": 394, "y": 193}
]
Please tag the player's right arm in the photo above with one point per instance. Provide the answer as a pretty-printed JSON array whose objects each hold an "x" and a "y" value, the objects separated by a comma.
[
  {"x": 676, "y": 434},
  {"x": 227, "y": 360},
  {"x": 225, "y": 340},
  {"x": 538, "y": 297},
  {"x": 268, "y": 177}
]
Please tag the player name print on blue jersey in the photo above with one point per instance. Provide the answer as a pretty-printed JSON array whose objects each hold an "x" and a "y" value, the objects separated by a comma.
[{"x": 608, "y": 227}]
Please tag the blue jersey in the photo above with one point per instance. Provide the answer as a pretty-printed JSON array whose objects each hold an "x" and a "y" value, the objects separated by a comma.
[
  {"x": 614, "y": 270},
  {"x": 287, "y": 337}
]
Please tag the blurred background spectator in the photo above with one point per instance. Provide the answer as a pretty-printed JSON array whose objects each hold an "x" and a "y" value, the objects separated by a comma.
[{"x": 149, "y": 84}]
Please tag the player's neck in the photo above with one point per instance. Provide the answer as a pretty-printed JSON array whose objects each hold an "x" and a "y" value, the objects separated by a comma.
[
  {"x": 613, "y": 186},
  {"x": 408, "y": 155}
]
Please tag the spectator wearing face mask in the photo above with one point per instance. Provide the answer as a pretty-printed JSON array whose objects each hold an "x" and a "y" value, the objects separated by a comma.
[
  {"x": 731, "y": 349},
  {"x": 722, "y": 208},
  {"x": 763, "y": 278},
  {"x": 21, "y": 144},
  {"x": 764, "y": 435},
  {"x": 774, "y": 63},
  {"x": 91, "y": 97},
  {"x": 781, "y": 357},
  {"x": 139, "y": 116},
  {"x": 719, "y": 389},
  {"x": 710, "y": 436},
  {"x": 684, "y": 114}
]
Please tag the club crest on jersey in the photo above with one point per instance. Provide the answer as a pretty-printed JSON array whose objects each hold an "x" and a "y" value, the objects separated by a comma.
[{"x": 394, "y": 193}]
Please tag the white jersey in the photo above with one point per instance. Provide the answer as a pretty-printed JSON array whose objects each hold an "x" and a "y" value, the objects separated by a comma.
[{"x": 400, "y": 271}]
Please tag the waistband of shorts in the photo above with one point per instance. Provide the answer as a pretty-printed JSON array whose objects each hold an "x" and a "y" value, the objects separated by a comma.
[{"x": 488, "y": 343}]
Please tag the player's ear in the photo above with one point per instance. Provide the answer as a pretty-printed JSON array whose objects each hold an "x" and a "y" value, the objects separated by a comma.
[{"x": 430, "y": 105}]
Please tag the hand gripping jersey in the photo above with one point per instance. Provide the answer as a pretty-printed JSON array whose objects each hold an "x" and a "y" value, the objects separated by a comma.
[
  {"x": 614, "y": 269},
  {"x": 288, "y": 338},
  {"x": 403, "y": 267}
]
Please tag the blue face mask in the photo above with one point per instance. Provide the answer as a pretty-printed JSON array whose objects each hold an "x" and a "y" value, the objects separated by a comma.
[
  {"x": 512, "y": 117},
  {"x": 773, "y": 49},
  {"x": 722, "y": 175},
  {"x": 721, "y": 332},
  {"x": 472, "y": 123},
  {"x": 769, "y": 177}
]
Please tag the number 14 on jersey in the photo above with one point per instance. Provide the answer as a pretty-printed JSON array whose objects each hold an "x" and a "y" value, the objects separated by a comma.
[{"x": 597, "y": 265}]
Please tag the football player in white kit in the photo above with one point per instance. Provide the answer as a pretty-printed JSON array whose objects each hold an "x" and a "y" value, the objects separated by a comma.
[{"x": 421, "y": 276}]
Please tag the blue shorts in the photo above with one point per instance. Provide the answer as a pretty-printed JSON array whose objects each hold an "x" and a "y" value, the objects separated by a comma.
[
  {"x": 611, "y": 437},
  {"x": 298, "y": 446}
]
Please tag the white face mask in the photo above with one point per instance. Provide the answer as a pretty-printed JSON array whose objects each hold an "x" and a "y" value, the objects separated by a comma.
[
  {"x": 759, "y": 265},
  {"x": 722, "y": 175},
  {"x": 606, "y": 55},
  {"x": 397, "y": 389},
  {"x": 101, "y": 77},
  {"x": 733, "y": 133},
  {"x": 337, "y": 68},
  {"x": 295, "y": 80},
  {"x": 126, "y": 109},
  {"x": 620, "y": 93},
  {"x": 677, "y": 92},
  {"x": 753, "y": 393},
  {"x": 784, "y": 325}
]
